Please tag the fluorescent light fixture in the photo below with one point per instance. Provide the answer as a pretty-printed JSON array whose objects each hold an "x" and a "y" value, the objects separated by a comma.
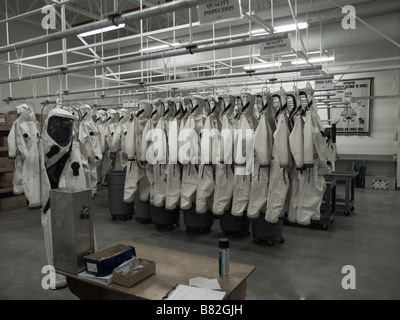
[
  {"x": 257, "y": 66},
  {"x": 106, "y": 29},
  {"x": 279, "y": 29},
  {"x": 291, "y": 27},
  {"x": 160, "y": 47},
  {"x": 313, "y": 60}
]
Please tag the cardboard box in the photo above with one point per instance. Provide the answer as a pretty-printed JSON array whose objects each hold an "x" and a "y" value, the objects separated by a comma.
[
  {"x": 3, "y": 141},
  {"x": 149, "y": 267},
  {"x": 380, "y": 183},
  {"x": 11, "y": 203},
  {"x": 6, "y": 179},
  {"x": 5, "y": 162},
  {"x": 104, "y": 261},
  {"x": 10, "y": 118}
]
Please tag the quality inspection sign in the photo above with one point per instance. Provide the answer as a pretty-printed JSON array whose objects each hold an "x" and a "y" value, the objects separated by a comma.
[
  {"x": 218, "y": 10},
  {"x": 275, "y": 46}
]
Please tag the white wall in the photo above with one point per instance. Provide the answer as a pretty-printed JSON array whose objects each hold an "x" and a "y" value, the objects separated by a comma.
[{"x": 384, "y": 120}]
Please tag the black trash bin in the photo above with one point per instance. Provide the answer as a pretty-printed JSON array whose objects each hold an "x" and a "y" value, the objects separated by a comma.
[
  {"x": 196, "y": 222},
  {"x": 269, "y": 232},
  {"x": 142, "y": 209},
  {"x": 117, "y": 206},
  {"x": 164, "y": 218},
  {"x": 234, "y": 225}
]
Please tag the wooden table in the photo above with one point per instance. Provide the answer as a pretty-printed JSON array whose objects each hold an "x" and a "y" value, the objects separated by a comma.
[{"x": 172, "y": 268}]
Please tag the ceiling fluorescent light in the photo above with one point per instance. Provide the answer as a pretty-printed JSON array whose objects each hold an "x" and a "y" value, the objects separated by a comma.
[
  {"x": 261, "y": 66},
  {"x": 291, "y": 27},
  {"x": 160, "y": 47},
  {"x": 313, "y": 60},
  {"x": 279, "y": 29},
  {"x": 97, "y": 31}
]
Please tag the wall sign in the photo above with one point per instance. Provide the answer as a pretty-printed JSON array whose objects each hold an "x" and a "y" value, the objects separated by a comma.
[
  {"x": 324, "y": 85},
  {"x": 352, "y": 113},
  {"x": 218, "y": 10},
  {"x": 275, "y": 46}
]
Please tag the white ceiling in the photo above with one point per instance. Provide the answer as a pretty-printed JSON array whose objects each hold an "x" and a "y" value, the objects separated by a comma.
[{"x": 348, "y": 46}]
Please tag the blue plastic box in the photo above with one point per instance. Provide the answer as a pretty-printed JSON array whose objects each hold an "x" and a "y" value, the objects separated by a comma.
[{"x": 104, "y": 261}]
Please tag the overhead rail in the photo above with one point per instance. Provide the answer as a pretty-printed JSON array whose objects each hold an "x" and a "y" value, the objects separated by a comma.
[
  {"x": 112, "y": 20},
  {"x": 190, "y": 48},
  {"x": 175, "y": 81}
]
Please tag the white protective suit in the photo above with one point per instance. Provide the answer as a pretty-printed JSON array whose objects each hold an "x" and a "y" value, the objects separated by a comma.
[
  {"x": 223, "y": 190},
  {"x": 190, "y": 150},
  {"x": 244, "y": 155},
  {"x": 101, "y": 124},
  {"x": 312, "y": 182},
  {"x": 296, "y": 143},
  {"x": 160, "y": 169},
  {"x": 112, "y": 137},
  {"x": 23, "y": 148},
  {"x": 263, "y": 151},
  {"x": 136, "y": 172},
  {"x": 209, "y": 156},
  {"x": 122, "y": 154},
  {"x": 174, "y": 174},
  {"x": 281, "y": 165},
  {"x": 55, "y": 144},
  {"x": 148, "y": 137},
  {"x": 89, "y": 138}
]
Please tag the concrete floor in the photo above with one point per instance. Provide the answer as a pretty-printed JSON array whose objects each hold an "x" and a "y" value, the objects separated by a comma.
[{"x": 307, "y": 266}]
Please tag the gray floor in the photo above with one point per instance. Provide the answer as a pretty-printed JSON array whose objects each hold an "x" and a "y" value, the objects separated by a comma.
[{"x": 307, "y": 266}]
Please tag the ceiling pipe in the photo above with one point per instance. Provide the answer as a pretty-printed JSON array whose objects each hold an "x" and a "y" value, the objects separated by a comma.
[
  {"x": 241, "y": 84},
  {"x": 113, "y": 20},
  {"x": 176, "y": 81},
  {"x": 33, "y": 12},
  {"x": 192, "y": 49}
]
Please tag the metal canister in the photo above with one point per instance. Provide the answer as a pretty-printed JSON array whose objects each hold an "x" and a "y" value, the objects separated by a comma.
[{"x": 223, "y": 258}]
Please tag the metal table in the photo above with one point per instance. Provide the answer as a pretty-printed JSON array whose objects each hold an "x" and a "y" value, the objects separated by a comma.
[
  {"x": 172, "y": 268},
  {"x": 348, "y": 178},
  {"x": 328, "y": 206}
]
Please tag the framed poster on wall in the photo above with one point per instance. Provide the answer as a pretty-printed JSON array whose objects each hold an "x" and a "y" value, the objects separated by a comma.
[{"x": 352, "y": 109}]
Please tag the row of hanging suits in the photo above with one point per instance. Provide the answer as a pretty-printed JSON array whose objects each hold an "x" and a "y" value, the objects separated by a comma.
[
  {"x": 65, "y": 153},
  {"x": 112, "y": 126},
  {"x": 279, "y": 168}
]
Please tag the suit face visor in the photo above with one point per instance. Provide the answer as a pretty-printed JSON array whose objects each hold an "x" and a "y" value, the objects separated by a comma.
[{"x": 60, "y": 129}]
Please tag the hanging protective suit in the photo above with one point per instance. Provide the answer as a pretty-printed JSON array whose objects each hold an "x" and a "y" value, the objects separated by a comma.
[
  {"x": 209, "y": 148},
  {"x": 147, "y": 147},
  {"x": 244, "y": 155},
  {"x": 89, "y": 139},
  {"x": 136, "y": 171},
  {"x": 161, "y": 167},
  {"x": 101, "y": 123},
  {"x": 279, "y": 181},
  {"x": 223, "y": 190},
  {"x": 54, "y": 148},
  {"x": 296, "y": 144},
  {"x": 312, "y": 182},
  {"x": 174, "y": 175},
  {"x": 190, "y": 150},
  {"x": 23, "y": 148},
  {"x": 112, "y": 138},
  {"x": 122, "y": 155},
  {"x": 263, "y": 151}
]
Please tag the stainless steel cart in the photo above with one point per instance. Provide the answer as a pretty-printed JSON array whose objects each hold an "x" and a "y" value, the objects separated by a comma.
[{"x": 345, "y": 204}]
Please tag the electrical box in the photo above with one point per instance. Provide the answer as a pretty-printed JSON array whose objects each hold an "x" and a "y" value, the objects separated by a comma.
[{"x": 72, "y": 228}]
